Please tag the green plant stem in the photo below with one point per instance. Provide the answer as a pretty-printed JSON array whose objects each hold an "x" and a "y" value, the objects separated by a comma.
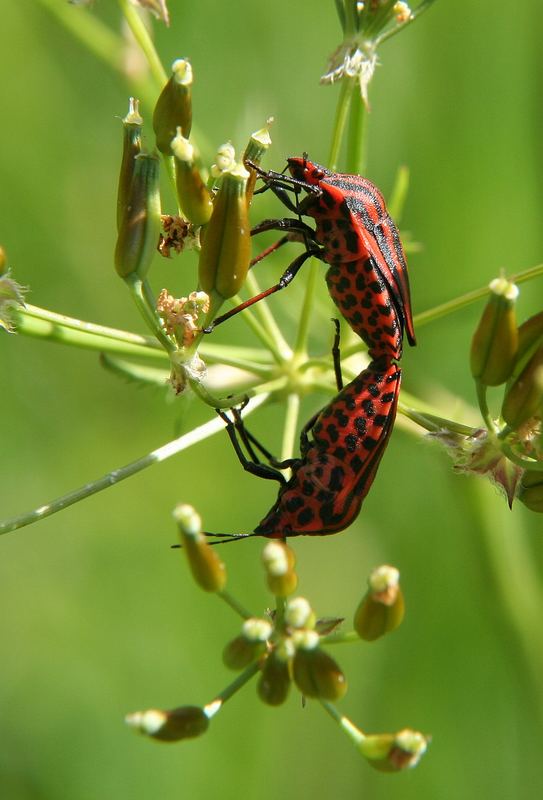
[
  {"x": 521, "y": 461},
  {"x": 267, "y": 321},
  {"x": 232, "y": 400},
  {"x": 231, "y": 601},
  {"x": 348, "y": 86},
  {"x": 42, "y": 328},
  {"x": 515, "y": 574},
  {"x": 340, "y": 638},
  {"x": 434, "y": 423},
  {"x": 355, "y": 735},
  {"x": 142, "y": 297},
  {"x": 471, "y": 297},
  {"x": 355, "y": 162},
  {"x": 215, "y": 706},
  {"x": 291, "y": 422},
  {"x": 116, "y": 476},
  {"x": 300, "y": 346},
  {"x": 483, "y": 406},
  {"x": 143, "y": 38}
]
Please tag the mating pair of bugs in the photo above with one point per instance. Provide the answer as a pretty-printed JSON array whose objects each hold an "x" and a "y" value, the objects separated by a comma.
[{"x": 342, "y": 445}]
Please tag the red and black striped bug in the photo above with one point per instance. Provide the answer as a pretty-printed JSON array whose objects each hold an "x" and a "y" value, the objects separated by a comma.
[
  {"x": 340, "y": 450},
  {"x": 367, "y": 277}
]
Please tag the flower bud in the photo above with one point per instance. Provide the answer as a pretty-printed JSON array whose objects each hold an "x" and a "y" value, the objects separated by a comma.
[
  {"x": 132, "y": 127},
  {"x": 382, "y": 608},
  {"x": 316, "y": 674},
  {"x": 185, "y": 722},
  {"x": 279, "y": 560},
  {"x": 258, "y": 144},
  {"x": 275, "y": 679},
  {"x": 207, "y": 569},
  {"x": 495, "y": 342},
  {"x": 299, "y": 614},
  {"x": 225, "y": 160},
  {"x": 226, "y": 245},
  {"x": 193, "y": 195},
  {"x": 139, "y": 230},
  {"x": 392, "y": 752},
  {"x": 173, "y": 108},
  {"x": 524, "y": 396},
  {"x": 531, "y": 490},
  {"x": 249, "y": 645}
]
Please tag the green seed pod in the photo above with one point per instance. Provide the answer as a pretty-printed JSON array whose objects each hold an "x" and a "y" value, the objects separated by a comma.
[
  {"x": 530, "y": 335},
  {"x": 193, "y": 195},
  {"x": 388, "y": 752},
  {"x": 279, "y": 560},
  {"x": 140, "y": 227},
  {"x": 185, "y": 722},
  {"x": 173, "y": 109},
  {"x": 524, "y": 397},
  {"x": 207, "y": 569},
  {"x": 531, "y": 490},
  {"x": 255, "y": 150},
  {"x": 226, "y": 245},
  {"x": 3, "y": 261},
  {"x": 382, "y": 608},
  {"x": 495, "y": 342},
  {"x": 249, "y": 645},
  {"x": 316, "y": 674},
  {"x": 275, "y": 678},
  {"x": 132, "y": 127}
]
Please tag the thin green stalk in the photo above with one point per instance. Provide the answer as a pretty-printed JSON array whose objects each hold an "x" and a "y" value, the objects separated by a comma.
[
  {"x": 483, "y": 406},
  {"x": 143, "y": 38},
  {"x": 432, "y": 422},
  {"x": 117, "y": 475},
  {"x": 236, "y": 399},
  {"x": 215, "y": 706},
  {"x": 37, "y": 327},
  {"x": 340, "y": 638},
  {"x": 355, "y": 735},
  {"x": 355, "y": 162},
  {"x": 471, "y": 297},
  {"x": 300, "y": 346},
  {"x": 291, "y": 423},
  {"x": 236, "y": 606},
  {"x": 267, "y": 320},
  {"x": 342, "y": 110},
  {"x": 140, "y": 294},
  {"x": 521, "y": 461}
]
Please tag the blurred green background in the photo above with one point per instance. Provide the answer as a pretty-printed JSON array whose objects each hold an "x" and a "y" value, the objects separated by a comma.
[{"x": 99, "y": 617}]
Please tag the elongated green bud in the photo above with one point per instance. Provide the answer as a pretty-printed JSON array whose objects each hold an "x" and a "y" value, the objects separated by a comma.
[
  {"x": 173, "y": 109},
  {"x": 275, "y": 678},
  {"x": 279, "y": 560},
  {"x": 316, "y": 674},
  {"x": 140, "y": 227},
  {"x": 258, "y": 144},
  {"x": 531, "y": 490},
  {"x": 382, "y": 608},
  {"x": 495, "y": 342},
  {"x": 193, "y": 195},
  {"x": 249, "y": 645},
  {"x": 207, "y": 569},
  {"x": 185, "y": 722},
  {"x": 392, "y": 752},
  {"x": 132, "y": 127},
  {"x": 530, "y": 335},
  {"x": 226, "y": 245},
  {"x": 524, "y": 397}
]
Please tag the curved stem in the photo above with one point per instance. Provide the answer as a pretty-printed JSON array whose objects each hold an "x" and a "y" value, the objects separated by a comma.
[
  {"x": 471, "y": 297},
  {"x": 141, "y": 295},
  {"x": 215, "y": 706},
  {"x": 342, "y": 111},
  {"x": 483, "y": 406},
  {"x": 143, "y": 38},
  {"x": 117, "y": 475}
]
